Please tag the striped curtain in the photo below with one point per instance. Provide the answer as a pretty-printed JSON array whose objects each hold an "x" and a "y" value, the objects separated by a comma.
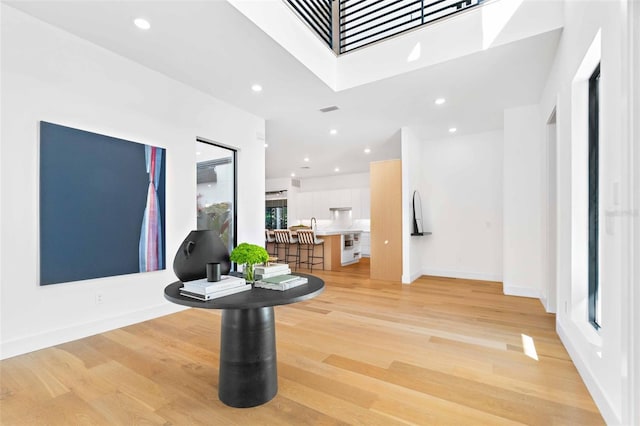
[{"x": 150, "y": 249}]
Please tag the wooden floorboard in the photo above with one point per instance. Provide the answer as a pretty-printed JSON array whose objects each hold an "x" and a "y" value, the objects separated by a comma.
[{"x": 440, "y": 351}]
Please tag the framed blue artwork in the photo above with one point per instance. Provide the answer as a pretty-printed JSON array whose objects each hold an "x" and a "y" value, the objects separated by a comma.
[{"x": 102, "y": 205}]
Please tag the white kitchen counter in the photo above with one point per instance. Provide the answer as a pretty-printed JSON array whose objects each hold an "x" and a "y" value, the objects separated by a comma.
[{"x": 338, "y": 231}]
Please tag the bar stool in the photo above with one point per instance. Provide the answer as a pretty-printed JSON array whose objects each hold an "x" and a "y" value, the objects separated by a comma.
[
  {"x": 269, "y": 239},
  {"x": 307, "y": 241},
  {"x": 283, "y": 237}
]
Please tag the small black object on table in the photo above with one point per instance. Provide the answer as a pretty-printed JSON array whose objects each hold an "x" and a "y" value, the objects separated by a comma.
[{"x": 248, "y": 364}]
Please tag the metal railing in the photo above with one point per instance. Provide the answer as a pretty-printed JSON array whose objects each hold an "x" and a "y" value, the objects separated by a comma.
[
  {"x": 346, "y": 25},
  {"x": 363, "y": 22},
  {"x": 318, "y": 14}
]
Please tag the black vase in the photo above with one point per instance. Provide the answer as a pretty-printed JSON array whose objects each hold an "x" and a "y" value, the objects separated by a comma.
[{"x": 198, "y": 249}]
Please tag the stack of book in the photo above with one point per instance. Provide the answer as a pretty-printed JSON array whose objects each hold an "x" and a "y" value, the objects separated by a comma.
[
  {"x": 205, "y": 290},
  {"x": 271, "y": 270},
  {"x": 281, "y": 282}
]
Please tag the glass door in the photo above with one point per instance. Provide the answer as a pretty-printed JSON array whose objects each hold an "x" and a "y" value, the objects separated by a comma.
[{"x": 216, "y": 190}]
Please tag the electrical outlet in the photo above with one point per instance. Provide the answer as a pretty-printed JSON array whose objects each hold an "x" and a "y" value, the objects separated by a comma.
[{"x": 99, "y": 298}]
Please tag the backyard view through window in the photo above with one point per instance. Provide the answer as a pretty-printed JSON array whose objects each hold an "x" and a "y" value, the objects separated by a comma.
[{"x": 216, "y": 190}]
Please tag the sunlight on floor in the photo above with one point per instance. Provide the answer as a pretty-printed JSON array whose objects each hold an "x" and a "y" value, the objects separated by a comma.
[{"x": 529, "y": 347}]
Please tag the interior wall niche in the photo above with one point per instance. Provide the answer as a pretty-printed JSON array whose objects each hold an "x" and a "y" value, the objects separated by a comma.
[{"x": 418, "y": 222}]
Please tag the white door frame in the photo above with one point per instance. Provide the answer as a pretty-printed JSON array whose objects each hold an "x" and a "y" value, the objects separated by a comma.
[
  {"x": 634, "y": 142},
  {"x": 550, "y": 214},
  {"x": 631, "y": 213}
]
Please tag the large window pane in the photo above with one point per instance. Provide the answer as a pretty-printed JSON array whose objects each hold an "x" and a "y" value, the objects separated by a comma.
[{"x": 216, "y": 190}]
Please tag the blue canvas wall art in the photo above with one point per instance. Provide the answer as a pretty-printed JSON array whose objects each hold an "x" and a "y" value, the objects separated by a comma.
[{"x": 102, "y": 205}]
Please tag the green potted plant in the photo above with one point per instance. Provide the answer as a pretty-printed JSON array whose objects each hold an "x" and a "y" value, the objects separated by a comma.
[{"x": 248, "y": 255}]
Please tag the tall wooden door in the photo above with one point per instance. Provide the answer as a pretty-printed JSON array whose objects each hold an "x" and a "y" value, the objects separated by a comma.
[{"x": 386, "y": 220}]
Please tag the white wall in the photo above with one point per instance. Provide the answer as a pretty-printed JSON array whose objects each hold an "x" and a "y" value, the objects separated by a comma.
[
  {"x": 604, "y": 358},
  {"x": 489, "y": 25},
  {"x": 412, "y": 180},
  {"x": 277, "y": 184},
  {"x": 48, "y": 74},
  {"x": 492, "y": 24},
  {"x": 277, "y": 19},
  {"x": 462, "y": 194},
  {"x": 633, "y": 300},
  {"x": 522, "y": 212},
  {"x": 337, "y": 181}
]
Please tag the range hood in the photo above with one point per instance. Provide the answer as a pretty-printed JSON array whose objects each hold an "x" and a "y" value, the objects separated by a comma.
[{"x": 339, "y": 209}]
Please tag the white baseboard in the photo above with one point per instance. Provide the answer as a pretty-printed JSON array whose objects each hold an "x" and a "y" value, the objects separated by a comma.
[
  {"x": 603, "y": 404},
  {"x": 416, "y": 276},
  {"x": 461, "y": 274},
  {"x": 55, "y": 337},
  {"x": 510, "y": 290}
]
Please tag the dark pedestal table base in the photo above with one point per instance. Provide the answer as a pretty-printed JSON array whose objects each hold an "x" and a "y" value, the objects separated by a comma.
[{"x": 248, "y": 367}]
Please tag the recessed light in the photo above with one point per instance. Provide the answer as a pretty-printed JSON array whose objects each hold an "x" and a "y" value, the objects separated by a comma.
[
  {"x": 198, "y": 153},
  {"x": 141, "y": 23},
  {"x": 293, "y": 174},
  {"x": 337, "y": 169},
  {"x": 256, "y": 88},
  {"x": 367, "y": 150},
  {"x": 209, "y": 186},
  {"x": 440, "y": 101},
  {"x": 333, "y": 131},
  {"x": 452, "y": 130},
  {"x": 266, "y": 145},
  {"x": 306, "y": 159}
]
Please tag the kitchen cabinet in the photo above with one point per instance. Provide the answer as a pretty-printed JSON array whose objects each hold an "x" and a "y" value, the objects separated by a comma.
[
  {"x": 304, "y": 205},
  {"x": 365, "y": 244},
  {"x": 340, "y": 198},
  {"x": 340, "y": 248},
  {"x": 386, "y": 220},
  {"x": 365, "y": 203},
  {"x": 317, "y": 203},
  {"x": 351, "y": 249},
  {"x": 320, "y": 204},
  {"x": 356, "y": 203},
  {"x": 360, "y": 203}
]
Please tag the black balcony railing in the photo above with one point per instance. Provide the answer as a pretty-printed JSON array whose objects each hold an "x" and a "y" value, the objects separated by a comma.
[
  {"x": 362, "y": 22},
  {"x": 318, "y": 15}
]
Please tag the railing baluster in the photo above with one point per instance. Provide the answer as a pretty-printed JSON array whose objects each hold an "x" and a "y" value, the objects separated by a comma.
[{"x": 345, "y": 25}]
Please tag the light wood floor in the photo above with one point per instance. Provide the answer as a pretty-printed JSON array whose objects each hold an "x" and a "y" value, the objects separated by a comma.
[{"x": 441, "y": 351}]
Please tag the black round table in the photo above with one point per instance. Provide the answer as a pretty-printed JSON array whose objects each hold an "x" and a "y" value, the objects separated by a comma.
[{"x": 248, "y": 363}]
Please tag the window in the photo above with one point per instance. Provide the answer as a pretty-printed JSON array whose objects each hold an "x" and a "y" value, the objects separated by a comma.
[
  {"x": 216, "y": 190},
  {"x": 594, "y": 284}
]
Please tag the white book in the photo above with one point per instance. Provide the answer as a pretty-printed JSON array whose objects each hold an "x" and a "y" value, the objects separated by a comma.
[
  {"x": 203, "y": 286},
  {"x": 279, "y": 279},
  {"x": 272, "y": 274},
  {"x": 274, "y": 267},
  {"x": 282, "y": 286},
  {"x": 217, "y": 294}
]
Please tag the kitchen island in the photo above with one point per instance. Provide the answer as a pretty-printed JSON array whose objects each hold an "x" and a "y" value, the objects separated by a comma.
[{"x": 342, "y": 247}]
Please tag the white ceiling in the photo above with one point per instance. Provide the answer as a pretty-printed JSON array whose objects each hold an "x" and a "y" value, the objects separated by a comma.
[{"x": 212, "y": 47}]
